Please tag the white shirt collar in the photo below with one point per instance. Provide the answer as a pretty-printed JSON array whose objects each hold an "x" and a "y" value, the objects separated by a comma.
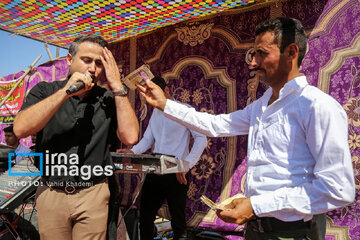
[{"x": 294, "y": 84}]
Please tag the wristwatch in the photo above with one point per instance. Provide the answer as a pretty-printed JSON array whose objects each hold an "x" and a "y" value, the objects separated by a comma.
[{"x": 122, "y": 92}]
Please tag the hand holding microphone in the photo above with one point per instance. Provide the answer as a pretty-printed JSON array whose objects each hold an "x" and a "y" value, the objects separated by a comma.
[{"x": 77, "y": 86}]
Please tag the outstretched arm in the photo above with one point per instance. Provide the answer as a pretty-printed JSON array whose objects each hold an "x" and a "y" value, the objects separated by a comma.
[{"x": 236, "y": 123}]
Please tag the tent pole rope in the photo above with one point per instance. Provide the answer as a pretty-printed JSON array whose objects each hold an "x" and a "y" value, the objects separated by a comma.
[{"x": 19, "y": 81}]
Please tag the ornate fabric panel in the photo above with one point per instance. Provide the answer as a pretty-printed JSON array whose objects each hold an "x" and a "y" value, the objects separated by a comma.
[
  {"x": 333, "y": 64},
  {"x": 206, "y": 65}
]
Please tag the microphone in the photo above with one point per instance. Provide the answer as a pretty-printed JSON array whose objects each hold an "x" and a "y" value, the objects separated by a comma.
[{"x": 77, "y": 86}]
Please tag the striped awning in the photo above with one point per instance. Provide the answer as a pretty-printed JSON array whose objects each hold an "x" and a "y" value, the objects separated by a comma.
[{"x": 58, "y": 22}]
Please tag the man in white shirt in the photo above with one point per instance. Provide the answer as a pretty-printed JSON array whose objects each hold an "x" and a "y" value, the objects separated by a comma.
[
  {"x": 299, "y": 163},
  {"x": 13, "y": 141},
  {"x": 170, "y": 138}
]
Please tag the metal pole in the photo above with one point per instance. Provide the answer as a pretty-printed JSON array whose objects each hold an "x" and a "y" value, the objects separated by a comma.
[{"x": 48, "y": 51}]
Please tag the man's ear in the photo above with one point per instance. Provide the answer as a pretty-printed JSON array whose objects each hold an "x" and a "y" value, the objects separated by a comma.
[
  {"x": 293, "y": 52},
  {"x": 69, "y": 59}
]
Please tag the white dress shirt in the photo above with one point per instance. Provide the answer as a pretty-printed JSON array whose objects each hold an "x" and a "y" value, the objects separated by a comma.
[
  {"x": 298, "y": 160},
  {"x": 171, "y": 138}
]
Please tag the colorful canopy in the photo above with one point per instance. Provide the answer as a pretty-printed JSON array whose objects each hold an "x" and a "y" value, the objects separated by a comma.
[{"x": 58, "y": 22}]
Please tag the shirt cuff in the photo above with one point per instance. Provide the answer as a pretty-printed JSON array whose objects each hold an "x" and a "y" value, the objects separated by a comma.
[
  {"x": 174, "y": 109},
  {"x": 191, "y": 163},
  {"x": 168, "y": 105},
  {"x": 134, "y": 150},
  {"x": 263, "y": 204}
]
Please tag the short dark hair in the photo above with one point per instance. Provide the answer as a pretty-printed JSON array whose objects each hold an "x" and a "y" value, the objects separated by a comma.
[
  {"x": 9, "y": 129},
  {"x": 159, "y": 81},
  {"x": 287, "y": 31},
  {"x": 86, "y": 38}
]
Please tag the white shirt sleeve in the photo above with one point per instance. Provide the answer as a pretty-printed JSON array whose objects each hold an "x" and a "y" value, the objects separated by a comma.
[
  {"x": 147, "y": 141},
  {"x": 222, "y": 125},
  {"x": 200, "y": 142},
  {"x": 326, "y": 133}
]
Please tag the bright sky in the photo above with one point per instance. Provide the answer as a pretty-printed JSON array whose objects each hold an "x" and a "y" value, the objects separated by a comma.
[{"x": 18, "y": 53}]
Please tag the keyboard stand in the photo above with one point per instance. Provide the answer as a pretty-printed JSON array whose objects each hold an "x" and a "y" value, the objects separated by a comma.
[{"x": 10, "y": 227}]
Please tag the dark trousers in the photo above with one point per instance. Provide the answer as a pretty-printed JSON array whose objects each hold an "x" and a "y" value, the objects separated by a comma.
[
  {"x": 155, "y": 190},
  {"x": 315, "y": 230}
]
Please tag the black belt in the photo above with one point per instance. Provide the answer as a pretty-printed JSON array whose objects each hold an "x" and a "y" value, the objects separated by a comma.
[
  {"x": 70, "y": 187},
  {"x": 269, "y": 224}
]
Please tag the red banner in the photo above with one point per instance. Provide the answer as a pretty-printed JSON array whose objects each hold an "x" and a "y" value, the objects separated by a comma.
[{"x": 13, "y": 104}]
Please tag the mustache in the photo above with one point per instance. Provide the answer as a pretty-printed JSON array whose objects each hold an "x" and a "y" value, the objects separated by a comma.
[{"x": 258, "y": 69}]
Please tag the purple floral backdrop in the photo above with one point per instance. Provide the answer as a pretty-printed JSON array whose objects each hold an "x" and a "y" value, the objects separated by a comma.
[
  {"x": 335, "y": 39},
  {"x": 332, "y": 64}
]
